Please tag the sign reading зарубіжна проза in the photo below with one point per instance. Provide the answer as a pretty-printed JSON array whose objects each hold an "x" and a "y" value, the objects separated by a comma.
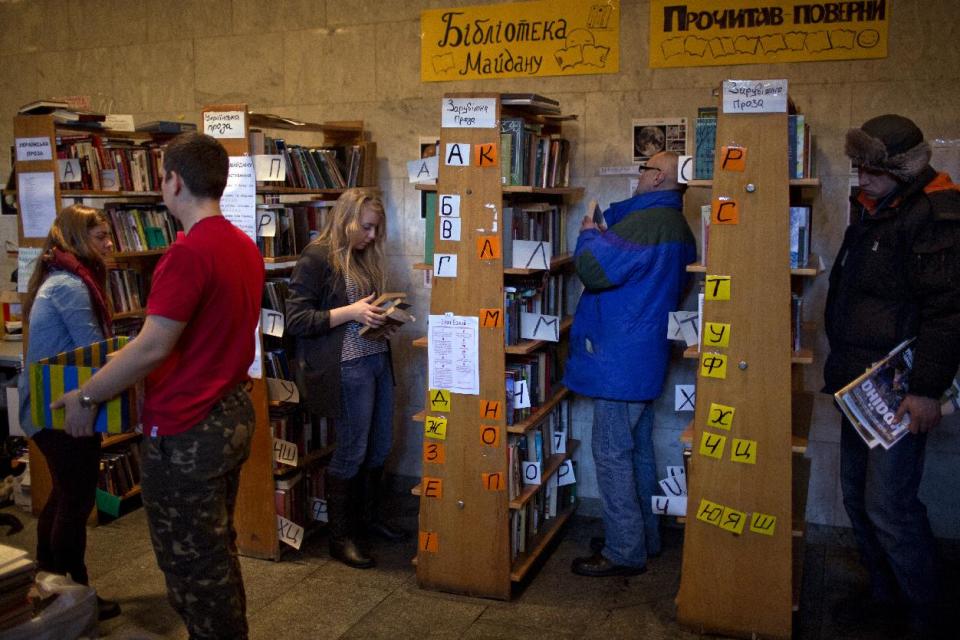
[
  {"x": 722, "y": 32},
  {"x": 520, "y": 40}
]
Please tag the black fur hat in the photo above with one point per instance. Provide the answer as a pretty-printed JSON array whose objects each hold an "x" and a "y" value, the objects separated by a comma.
[{"x": 889, "y": 143}]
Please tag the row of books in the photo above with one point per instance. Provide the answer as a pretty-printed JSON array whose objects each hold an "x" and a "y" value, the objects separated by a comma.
[
  {"x": 538, "y": 375},
  {"x": 119, "y": 471},
  {"x": 294, "y": 426},
  {"x": 528, "y": 157},
  {"x": 537, "y": 444},
  {"x": 295, "y": 494},
  {"x": 543, "y": 296},
  {"x": 275, "y": 292},
  {"x": 112, "y": 164},
  {"x": 141, "y": 227},
  {"x": 17, "y": 575},
  {"x": 528, "y": 522},
  {"x": 328, "y": 167},
  {"x": 125, "y": 290},
  {"x": 540, "y": 222},
  {"x": 800, "y": 233},
  {"x": 292, "y": 225},
  {"x": 277, "y": 364},
  {"x": 799, "y": 145}
]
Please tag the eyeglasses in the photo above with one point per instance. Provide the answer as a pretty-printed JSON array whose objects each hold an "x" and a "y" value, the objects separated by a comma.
[{"x": 647, "y": 167}]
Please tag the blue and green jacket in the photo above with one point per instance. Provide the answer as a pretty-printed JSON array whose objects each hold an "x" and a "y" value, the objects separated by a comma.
[{"x": 633, "y": 275}]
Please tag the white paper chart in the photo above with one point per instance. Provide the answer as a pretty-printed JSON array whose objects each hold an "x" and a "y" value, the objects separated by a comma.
[{"x": 453, "y": 348}]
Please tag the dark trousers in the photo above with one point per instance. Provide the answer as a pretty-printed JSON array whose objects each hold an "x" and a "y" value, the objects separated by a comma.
[
  {"x": 190, "y": 482},
  {"x": 62, "y": 528}
]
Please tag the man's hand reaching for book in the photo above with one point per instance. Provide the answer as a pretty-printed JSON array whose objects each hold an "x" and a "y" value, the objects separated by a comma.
[{"x": 924, "y": 413}]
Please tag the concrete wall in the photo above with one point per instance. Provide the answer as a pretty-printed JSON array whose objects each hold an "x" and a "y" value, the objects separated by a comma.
[{"x": 359, "y": 59}]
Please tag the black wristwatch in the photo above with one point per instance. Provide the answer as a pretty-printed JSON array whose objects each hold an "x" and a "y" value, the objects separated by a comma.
[{"x": 86, "y": 401}]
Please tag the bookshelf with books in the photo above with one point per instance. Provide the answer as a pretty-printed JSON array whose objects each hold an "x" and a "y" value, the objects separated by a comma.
[
  {"x": 281, "y": 485},
  {"x": 747, "y": 475},
  {"x": 498, "y": 472},
  {"x": 59, "y": 160}
]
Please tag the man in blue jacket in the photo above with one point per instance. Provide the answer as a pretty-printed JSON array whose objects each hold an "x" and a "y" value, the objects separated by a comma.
[{"x": 634, "y": 274}]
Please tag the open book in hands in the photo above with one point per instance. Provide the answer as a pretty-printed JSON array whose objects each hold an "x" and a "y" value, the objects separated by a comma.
[
  {"x": 395, "y": 314},
  {"x": 594, "y": 210}
]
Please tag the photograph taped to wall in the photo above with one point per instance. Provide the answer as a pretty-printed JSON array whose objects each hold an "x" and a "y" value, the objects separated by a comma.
[{"x": 653, "y": 135}]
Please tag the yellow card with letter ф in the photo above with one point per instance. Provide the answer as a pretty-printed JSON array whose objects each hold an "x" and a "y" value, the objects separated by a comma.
[{"x": 52, "y": 377}]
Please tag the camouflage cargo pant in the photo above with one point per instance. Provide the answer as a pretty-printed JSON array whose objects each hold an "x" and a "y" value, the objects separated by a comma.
[{"x": 189, "y": 486}]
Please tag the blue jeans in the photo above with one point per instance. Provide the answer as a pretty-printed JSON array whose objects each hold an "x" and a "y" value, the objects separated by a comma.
[
  {"x": 889, "y": 521},
  {"x": 365, "y": 427},
  {"x": 626, "y": 475}
]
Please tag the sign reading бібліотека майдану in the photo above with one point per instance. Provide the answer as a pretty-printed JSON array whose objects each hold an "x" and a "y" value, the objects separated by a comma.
[
  {"x": 520, "y": 40},
  {"x": 711, "y": 32}
]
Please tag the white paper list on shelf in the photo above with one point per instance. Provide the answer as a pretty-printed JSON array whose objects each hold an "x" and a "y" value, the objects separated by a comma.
[
  {"x": 239, "y": 200},
  {"x": 26, "y": 262},
  {"x": 38, "y": 202},
  {"x": 453, "y": 353}
]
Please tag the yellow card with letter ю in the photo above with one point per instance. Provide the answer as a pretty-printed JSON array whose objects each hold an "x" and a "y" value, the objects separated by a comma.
[{"x": 52, "y": 377}]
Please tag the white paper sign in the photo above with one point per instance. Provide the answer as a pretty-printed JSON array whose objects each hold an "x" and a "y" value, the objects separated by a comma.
[
  {"x": 225, "y": 124},
  {"x": 270, "y": 168},
  {"x": 684, "y": 325},
  {"x": 755, "y": 96},
  {"x": 256, "y": 367},
  {"x": 530, "y": 254},
  {"x": 458, "y": 154},
  {"x": 684, "y": 397},
  {"x": 318, "y": 510},
  {"x": 26, "y": 262},
  {"x": 109, "y": 180},
  {"x": 272, "y": 322},
  {"x": 560, "y": 441},
  {"x": 239, "y": 201},
  {"x": 279, "y": 390},
  {"x": 684, "y": 169},
  {"x": 38, "y": 202},
  {"x": 468, "y": 113},
  {"x": 284, "y": 452},
  {"x": 289, "y": 532},
  {"x": 266, "y": 222},
  {"x": 536, "y": 326},
  {"x": 453, "y": 353},
  {"x": 119, "y": 122},
  {"x": 445, "y": 265},
  {"x": 449, "y": 205},
  {"x": 69, "y": 170},
  {"x": 674, "y": 506},
  {"x": 423, "y": 170},
  {"x": 450, "y": 229},
  {"x": 37, "y": 148},
  {"x": 531, "y": 472},
  {"x": 521, "y": 395},
  {"x": 566, "y": 474},
  {"x": 675, "y": 484},
  {"x": 625, "y": 170}
]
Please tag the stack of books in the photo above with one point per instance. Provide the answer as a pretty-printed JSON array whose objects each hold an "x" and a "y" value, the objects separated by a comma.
[{"x": 17, "y": 573}]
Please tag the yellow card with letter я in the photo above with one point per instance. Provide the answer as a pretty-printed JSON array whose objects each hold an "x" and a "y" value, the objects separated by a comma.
[{"x": 51, "y": 377}]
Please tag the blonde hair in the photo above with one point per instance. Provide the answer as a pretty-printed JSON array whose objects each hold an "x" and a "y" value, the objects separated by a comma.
[
  {"x": 70, "y": 233},
  {"x": 365, "y": 267}
]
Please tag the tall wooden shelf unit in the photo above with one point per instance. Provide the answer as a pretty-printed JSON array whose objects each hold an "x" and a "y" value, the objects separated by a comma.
[
  {"x": 464, "y": 542},
  {"x": 746, "y": 584},
  {"x": 46, "y": 127},
  {"x": 256, "y": 513}
]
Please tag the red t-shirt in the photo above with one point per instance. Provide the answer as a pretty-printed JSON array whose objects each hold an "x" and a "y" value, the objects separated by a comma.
[{"x": 212, "y": 279}]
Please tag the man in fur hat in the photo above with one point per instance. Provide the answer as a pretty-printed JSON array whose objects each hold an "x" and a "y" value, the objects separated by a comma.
[{"x": 897, "y": 276}]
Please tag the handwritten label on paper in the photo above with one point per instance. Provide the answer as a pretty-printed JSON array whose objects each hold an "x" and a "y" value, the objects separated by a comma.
[
  {"x": 720, "y": 416},
  {"x": 489, "y": 435},
  {"x": 34, "y": 148},
  {"x": 709, "y": 512},
  {"x": 733, "y": 158},
  {"x": 669, "y": 506},
  {"x": 724, "y": 210},
  {"x": 754, "y": 96},
  {"x": 289, "y": 532},
  {"x": 485, "y": 155},
  {"x": 26, "y": 263},
  {"x": 225, "y": 124},
  {"x": 713, "y": 365},
  {"x": 531, "y": 472},
  {"x": 763, "y": 523},
  {"x": 711, "y": 445},
  {"x": 423, "y": 169},
  {"x": 284, "y": 452},
  {"x": 684, "y": 325},
  {"x": 716, "y": 287},
  {"x": 744, "y": 451},
  {"x": 239, "y": 200},
  {"x": 69, "y": 170},
  {"x": 431, "y": 488},
  {"x": 450, "y": 229},
  {"x": 537, "y": 326},
  {"x": 434, "y": 452},
  {"x": 272, "y": 322},
  {"x": 449, "y": 206},
  {"x": 488, "y": 247},
  {"x": 491, "y": 410},
  {"x": 716, "y": 334},
  {"x": 468, "y": 113},
  {"x": 429, "y": 541},
  {"x": 685, "y": 397},
  {"x": 566, "y": 474},
  {"x": 458, "y": 154},
  {"x": 560, "y": 441},
  {"x": 318, "y": 510},
  {"x": 36, "y": 192},
  {"x": 732, "y": 520},
  {"x": 439, "y": 400},
  {"x": 521, "y": 395},
  {"x": 491, "y": 318},
  {"x": 279, "y": 390},
  {"x": 493, "y": 481},
  {"x": 445, "y": 265},
  {"x": 270, "y": 168},
  {"x": 531, "y": 254},
  {"x": 266, "y": 222},
  {"x": 435, "y": 427}
]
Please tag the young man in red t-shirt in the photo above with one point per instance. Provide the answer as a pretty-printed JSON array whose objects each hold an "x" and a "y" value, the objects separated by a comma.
[{"x": 194, "y": 350}]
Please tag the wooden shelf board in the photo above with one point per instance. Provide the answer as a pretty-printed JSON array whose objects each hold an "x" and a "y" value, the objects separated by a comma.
[
  {"x": 797, "y": 573},
  {"x": 420, "y": 343},
  {"x": 86, "y": 193},
  {"x": 416, "y": 490},
  {"x": 541, "y": 413},
  {"x": 119, "y": 438},
  {"x": 123, "y": 315},
  {"x": 556, "y": 263},
  {"x": 811, "y": 270},
  {"x": 529, "y": 346},
  {"x": 422, "y": 266},
  {"x": 797, "y": 182},
  {"x": 556, "y": 191},
  {"x": 132, "y": 255},
  {"x": 553, "y": 463},
  {"x": 270, "y": 121},
  {"x": 804, "y": 356},
  {"x": 280, "y": 259},
  {"x": 525, "y": 561},
  {"x": 299, "y": 191},
  {"x": 306, "y": 461},
  {"x": 279, "y": 266},
  {"x": 419, "y": 416}
]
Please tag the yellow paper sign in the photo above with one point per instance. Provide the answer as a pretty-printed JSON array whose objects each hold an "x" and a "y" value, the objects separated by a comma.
[
  {"x": 713, "y": 365},
  {"x": 439, "y": 400},
  {"x": 744, "y": 451},
  {"x": 699, "y": 33},
  {"x": 435, "y": 427},
  {"x": 520, "y": 40},
  {"x": 763, "y": 523},
  {"x": 429, "y": 541},
  {"x": 720, "y": 416},
  {"x": 711, "y": 445},
  {"x": 732, "y": 520},
  {"x": 716, "y": 288},
  {"x": 709, "y": 512},
  {"x": 716, "y": 334}
]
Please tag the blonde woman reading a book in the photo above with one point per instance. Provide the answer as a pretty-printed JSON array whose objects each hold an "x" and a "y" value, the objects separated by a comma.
[
  {"x": 344, "y": 375},
  {"x": 67, "y": 307}
]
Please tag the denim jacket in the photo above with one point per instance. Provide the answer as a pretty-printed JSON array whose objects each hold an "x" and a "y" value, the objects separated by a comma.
[{"x": 62, "y": 319}]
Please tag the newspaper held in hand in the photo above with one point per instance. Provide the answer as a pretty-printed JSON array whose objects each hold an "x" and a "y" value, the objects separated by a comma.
[{"x": 871, "y": 401}]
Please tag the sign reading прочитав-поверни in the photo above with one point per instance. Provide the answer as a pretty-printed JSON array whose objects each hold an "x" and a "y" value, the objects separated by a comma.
[
  {"x": 721, "y": 32},
  {"x": 520, "y": 40}
]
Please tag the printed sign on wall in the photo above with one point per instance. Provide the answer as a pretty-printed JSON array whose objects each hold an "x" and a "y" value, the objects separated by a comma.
[
  {"x": 520, "y": 40},
  {"x": 700, "y": 33}
]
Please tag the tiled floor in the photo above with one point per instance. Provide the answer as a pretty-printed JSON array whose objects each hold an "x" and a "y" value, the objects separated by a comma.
[{"x": 307, "y": 595}]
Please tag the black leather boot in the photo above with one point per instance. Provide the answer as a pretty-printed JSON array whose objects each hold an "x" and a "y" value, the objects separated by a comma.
[
  {"x": 343, "y": 547},
  {"x": 372, "y": 514}
]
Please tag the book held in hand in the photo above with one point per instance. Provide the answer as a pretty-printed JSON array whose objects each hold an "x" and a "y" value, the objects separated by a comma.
[{"x": 395, "y": 312}]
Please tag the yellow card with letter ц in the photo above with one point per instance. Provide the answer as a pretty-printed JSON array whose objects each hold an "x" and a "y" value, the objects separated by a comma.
[{"x": 51, "y": 377}]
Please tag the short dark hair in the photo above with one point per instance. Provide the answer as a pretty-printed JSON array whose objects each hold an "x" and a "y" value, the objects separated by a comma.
[{"x": 200, "y": 161}]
